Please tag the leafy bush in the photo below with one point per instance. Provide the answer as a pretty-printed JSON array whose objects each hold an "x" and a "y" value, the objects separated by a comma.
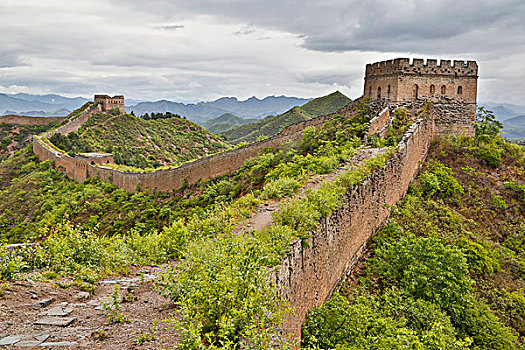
[
  {"x": 491, "y": 155},
  {"x": 238, "y": 301},
  {"x": 388, "y": 322},
  {"x": 486, "y": 126},
  {"x": 481, "y": 258},
  {"x": 439, "y": 180},
  {"x": 426, "y": 269},
  {"x": 280, "y": 188}
]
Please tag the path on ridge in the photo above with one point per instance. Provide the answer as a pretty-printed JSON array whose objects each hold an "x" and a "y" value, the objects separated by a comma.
[{"x": 263, "y": 215}]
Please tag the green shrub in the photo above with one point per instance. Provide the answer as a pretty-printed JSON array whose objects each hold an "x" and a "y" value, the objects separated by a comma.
[
  {"x": 491, "y": 155},
  {"x": 481, "y": 258},
  {"x": 223, "y": 294},
  {"x": 487, "y": 332},
  {"x": 280, "y": 188},
  {"x": 439, "y": 180},
  {"x": 426, "y": 269},
  {"x": 10, "y": 263},
  {"x": 517, "y": 188},
  {"x": 388, "y": 322}
]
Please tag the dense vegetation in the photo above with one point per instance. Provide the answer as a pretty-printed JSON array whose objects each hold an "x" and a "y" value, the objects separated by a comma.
[
  {"x": 272, "y": 125},
  {"x": 148, "y": 142},
  {"x": 230, "y": 267},
  {"x": 447, "y": 271},
  {"x": 14, "y": 137}
]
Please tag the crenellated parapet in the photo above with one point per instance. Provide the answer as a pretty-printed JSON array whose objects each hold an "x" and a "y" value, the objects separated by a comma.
[
  {"x": 456, "y": 68},
  {"x": 447, "y": 83}
]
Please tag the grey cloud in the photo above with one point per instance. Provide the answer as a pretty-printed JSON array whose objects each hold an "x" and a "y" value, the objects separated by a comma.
[{"x": 170, "y": 27}]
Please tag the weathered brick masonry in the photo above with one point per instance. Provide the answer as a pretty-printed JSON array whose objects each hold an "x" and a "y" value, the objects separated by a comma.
[
  {"x": 309, "y": 275},
  {"x": 25, "y": 120},
  {"x": 399, "y": 82}
]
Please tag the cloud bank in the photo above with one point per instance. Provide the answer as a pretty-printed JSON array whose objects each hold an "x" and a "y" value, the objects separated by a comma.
[{"x": 204, "y": 49}]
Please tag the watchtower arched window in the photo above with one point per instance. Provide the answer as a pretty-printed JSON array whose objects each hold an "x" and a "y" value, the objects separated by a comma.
[
  {"x": 432, "y": 89},
  {"x": 388, "y": 92},
  {"x": 460, "y": 90},
  {"x": 370, "y": 91},
  {"x": 379, "y": 92},
  {"x": 443, "y": 89},
  {"x": 416, "y": 91}
]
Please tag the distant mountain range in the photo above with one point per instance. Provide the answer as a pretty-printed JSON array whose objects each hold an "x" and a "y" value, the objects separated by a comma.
[
  {"x": 512, "y": 116},
  {"x": 39, "y": 105},
  {"x": 225, "y": 122},
  {"x": 203, "y": 111},
  {"x": 56, "y": 105}
]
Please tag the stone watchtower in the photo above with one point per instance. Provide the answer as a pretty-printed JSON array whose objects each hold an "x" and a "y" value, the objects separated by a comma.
[
  {"x": 107, "y": 103},
  {"x": 452, "y": 88}
]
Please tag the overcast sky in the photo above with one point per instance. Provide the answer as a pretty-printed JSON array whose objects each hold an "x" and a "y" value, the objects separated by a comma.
[{"x": 191, "y": 50}]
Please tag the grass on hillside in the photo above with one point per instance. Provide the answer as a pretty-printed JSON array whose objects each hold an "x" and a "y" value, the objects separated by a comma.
[{"x": 141, "y": 143}]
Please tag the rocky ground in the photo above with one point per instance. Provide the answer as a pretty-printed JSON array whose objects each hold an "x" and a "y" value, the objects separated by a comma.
[{"x": 43, "y": 315}]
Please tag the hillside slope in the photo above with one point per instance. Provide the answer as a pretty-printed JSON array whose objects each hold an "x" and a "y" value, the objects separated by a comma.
[
  {"x": 447, "y": 271},
  {"x": 272, "y": 125},
  {"x": 140, "y": 142},
  {"x": 14, "y": 137}
]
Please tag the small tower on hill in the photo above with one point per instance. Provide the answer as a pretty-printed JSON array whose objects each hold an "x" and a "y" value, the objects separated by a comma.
[{"x": 107, "y": 103}]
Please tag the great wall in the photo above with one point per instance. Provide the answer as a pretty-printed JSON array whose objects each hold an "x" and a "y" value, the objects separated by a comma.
[{"x": 310, "y": 273}]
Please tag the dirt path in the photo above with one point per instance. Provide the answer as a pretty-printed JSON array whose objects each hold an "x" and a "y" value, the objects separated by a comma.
[
  {"x": 40, "y": 314},
  {"x": 263, "y": 215}
]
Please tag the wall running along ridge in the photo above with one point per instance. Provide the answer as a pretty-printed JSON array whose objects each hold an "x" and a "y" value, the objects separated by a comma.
[
  {"x": 309, "y": 275},
  {"x": 25, "y": 120},
  {"x": 207, "y": 167},
  {"x": 75, "y": 168}
]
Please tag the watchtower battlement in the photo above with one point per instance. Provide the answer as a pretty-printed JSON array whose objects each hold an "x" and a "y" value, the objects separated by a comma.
[
  {"x": 107, "y": 103},
  {"x": 400, "y": 80},
  {"x": 456, "y": 68}
]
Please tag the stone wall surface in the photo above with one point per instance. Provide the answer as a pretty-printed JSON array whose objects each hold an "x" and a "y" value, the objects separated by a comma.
[
  {"x": 25, "y": 120},
  {"x": 309, "y": 275}
]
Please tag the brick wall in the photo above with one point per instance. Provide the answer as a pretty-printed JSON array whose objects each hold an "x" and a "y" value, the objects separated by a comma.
[
  {"x": 308, "y": 276},
  {"x": 24, "y": 120}
]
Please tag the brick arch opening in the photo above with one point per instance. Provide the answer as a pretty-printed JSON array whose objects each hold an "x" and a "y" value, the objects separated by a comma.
[
  {"x": 443, "y": 89},
  {"x": 460, "y": 90},
  {"x": 415, "y": 91},
  {"x": 432, "y": 89},
  {"x": 379, "y": 92},
  {"x": 388, "y": 91},
  {"x": 370, "y": 91}
]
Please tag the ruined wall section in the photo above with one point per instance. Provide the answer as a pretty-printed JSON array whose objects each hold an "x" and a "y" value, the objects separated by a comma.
[
  {"x": 309, "y": 275},
  {"x": 26, "y": 120}
]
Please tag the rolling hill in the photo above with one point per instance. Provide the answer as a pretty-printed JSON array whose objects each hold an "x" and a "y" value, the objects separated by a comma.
[
  {"x": 140, "y": 142},
  {"x": 226, "y": 122},
  {"x": 272, "y": 125}
]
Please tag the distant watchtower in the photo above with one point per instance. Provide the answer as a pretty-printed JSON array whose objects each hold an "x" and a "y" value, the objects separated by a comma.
[
  {"x": 445, "y": 84},
  {"x": 107, "y": 103}
]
